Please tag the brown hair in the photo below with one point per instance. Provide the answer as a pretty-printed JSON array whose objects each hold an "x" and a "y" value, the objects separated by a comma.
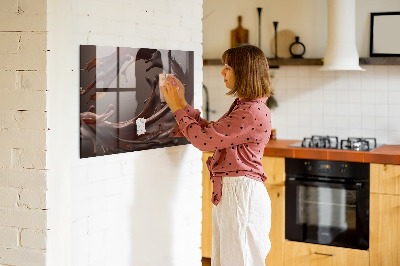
[{"x": 250, "y": 66}]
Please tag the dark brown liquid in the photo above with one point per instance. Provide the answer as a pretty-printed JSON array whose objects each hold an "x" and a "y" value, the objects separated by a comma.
[{"x": 120, "y": 85}]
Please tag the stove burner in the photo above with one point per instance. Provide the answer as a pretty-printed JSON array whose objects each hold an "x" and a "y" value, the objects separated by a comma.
[
  {"x": 358, "y": 144},
  {"x": 328, "y": 142},
  {"x": 332, "y": 142}
]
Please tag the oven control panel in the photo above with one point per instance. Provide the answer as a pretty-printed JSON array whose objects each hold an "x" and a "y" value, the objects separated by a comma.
[{"x": 337, "y": 169}]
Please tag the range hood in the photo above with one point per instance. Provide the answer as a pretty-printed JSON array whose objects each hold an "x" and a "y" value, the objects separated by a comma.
[{"x": 341, "y": 51}]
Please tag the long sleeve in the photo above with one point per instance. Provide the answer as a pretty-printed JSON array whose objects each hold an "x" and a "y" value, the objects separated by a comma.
[
  {"x": 193, "y": 113},
  {"x": 230, "y": 131}
]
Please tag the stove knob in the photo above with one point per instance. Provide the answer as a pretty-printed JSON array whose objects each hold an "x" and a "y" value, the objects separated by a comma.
[
  {"x": 308, "y": 166},
  {"x": 343, "y": 168}
]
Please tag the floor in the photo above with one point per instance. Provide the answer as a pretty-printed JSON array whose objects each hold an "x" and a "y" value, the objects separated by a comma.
[{"x": 206, "y": 261}]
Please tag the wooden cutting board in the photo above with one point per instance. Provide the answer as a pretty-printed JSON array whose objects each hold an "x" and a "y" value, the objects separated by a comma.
[{"x": 239, "y": 35}]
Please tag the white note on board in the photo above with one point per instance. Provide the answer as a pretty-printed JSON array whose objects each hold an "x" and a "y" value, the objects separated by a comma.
[{"x": 141, "y": 126}]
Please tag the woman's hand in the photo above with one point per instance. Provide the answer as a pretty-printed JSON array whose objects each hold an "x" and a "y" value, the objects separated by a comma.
[
  {"x": 174, "y": 93},
  {"x": 181, "y": 91}
]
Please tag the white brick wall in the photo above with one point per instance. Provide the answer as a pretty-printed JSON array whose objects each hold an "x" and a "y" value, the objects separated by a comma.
[
  {"x": 9, "y": 197},
  {"x": 9, "y": 237},
  {"x": 138, "y": 208},
  {"x": 104, "y": 211},
  {"x": 33, "y": 239},
  {"x": 23, "y": 178},
  {"x": 23, "y": 132},
  {"x": 11, "y": 256}
]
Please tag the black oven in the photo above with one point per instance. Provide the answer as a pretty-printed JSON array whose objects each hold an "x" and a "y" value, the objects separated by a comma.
[{"x": 327, "y": 202}]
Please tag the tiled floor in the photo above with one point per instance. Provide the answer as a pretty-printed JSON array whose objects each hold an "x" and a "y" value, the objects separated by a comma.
[{"x": 206, "y": 261}]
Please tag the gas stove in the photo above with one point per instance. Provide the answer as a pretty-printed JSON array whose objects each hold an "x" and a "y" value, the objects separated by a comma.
[{"x": 332, "y": 142}]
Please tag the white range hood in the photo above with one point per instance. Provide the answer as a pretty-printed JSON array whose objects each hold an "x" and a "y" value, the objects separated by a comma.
[{"x": 341, "y": 51}]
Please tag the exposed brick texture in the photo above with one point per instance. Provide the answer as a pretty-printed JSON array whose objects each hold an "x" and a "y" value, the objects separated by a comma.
[
  {"x": 56, "y": 209},
  {"x": 23, "y": 125}
]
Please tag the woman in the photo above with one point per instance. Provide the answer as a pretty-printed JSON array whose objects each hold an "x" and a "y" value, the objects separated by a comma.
[{"x": 242, "y": 208}]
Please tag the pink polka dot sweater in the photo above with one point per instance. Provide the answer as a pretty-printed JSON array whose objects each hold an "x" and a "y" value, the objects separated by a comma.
[{"x": 238, "y": 139}]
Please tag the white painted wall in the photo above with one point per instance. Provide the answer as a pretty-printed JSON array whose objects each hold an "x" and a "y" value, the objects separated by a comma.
[
  {"x": 139, "y": 208},
  {"x": 23, "y": 133},
  {"x": 344, "y": 103},
  {"x": 306, "y": 19}
]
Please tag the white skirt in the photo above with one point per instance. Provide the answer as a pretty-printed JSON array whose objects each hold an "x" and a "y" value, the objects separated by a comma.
[{"x": 241, "y": 223}]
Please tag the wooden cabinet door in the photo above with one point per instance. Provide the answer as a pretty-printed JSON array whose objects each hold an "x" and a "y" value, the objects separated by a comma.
[
  {"x": 277, "y": 233},
  {"x": 274, "y": 168},
  {"x": 304, "y": 254},
  {"x": 384, "y": 237},
  {"x": 385, "y": 178},
  {"x": 206, "y": 226}
]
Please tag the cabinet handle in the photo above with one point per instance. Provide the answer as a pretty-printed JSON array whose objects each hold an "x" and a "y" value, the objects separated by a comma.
[{"x": 324, "y": 254}]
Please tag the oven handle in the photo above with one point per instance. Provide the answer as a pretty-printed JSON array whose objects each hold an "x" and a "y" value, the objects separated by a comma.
[{"x": 357, "y": 185}]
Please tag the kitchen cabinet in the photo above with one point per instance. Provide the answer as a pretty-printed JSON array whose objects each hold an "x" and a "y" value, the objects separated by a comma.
[
  {"x": 206, "y": 225},
  {"x": 385, "y": 215},
  {"x": 385, "y": 178},
  {"x": 385, "y": 230},
  {"x": 384, "y": 245},
  {"x": 277, "y": 233},
  {"x": 305, "y": 254},
  {"x": 274, "y": 168},
  {"x": 384, "y": 221}
]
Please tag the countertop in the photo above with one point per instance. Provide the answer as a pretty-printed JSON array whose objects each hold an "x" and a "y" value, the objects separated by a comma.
[{"x": 388, "y": 154}]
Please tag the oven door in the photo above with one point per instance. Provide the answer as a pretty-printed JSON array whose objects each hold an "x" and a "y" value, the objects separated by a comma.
[{"x": 327, "y": 213}]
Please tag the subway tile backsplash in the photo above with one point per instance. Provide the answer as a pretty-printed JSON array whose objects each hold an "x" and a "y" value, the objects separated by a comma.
[
  {"x": 314, "y": 102},
  {"x": 343, "y": 103}
]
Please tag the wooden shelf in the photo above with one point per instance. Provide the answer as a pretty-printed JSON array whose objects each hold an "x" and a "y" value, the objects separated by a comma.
[
  {"x": 273, "y": 63},
  {"x": 212, "y": 62},
  {"x": 380, "y": 61}
]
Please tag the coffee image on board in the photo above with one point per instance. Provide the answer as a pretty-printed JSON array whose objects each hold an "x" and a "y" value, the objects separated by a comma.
[{"x": 120, "y": 105}]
